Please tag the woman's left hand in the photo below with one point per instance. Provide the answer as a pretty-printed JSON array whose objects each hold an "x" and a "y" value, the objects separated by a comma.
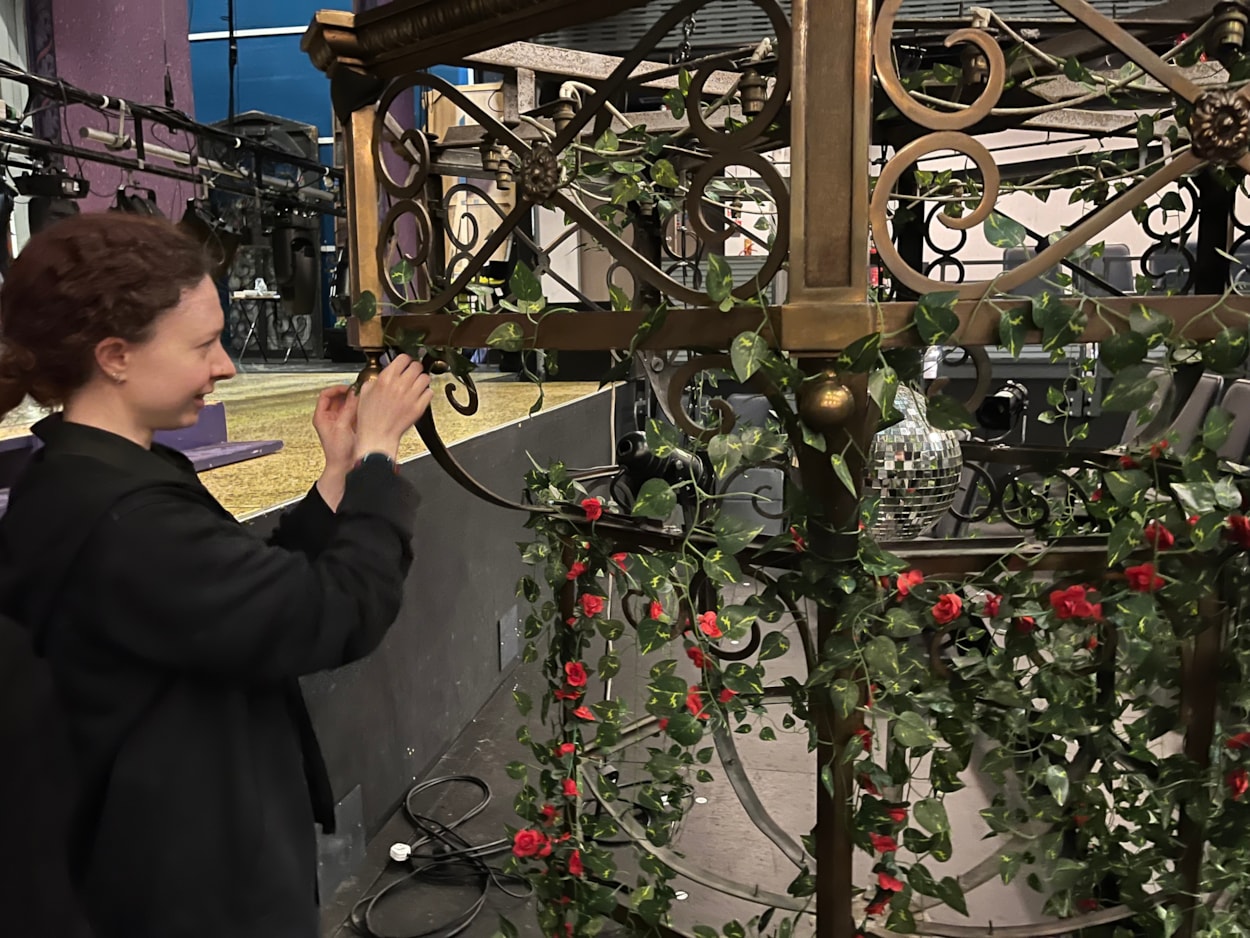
[{"x": 335, "y": 423}]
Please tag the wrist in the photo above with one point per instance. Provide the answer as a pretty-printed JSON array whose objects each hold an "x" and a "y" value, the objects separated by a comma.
[{"x": 365, "y": 447}]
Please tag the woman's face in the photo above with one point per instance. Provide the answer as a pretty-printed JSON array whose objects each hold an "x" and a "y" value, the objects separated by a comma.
[{"x": 168, "y": 376}]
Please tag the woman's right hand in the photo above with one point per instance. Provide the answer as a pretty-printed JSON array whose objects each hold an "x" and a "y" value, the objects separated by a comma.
[{"x": 389, "y": 405}]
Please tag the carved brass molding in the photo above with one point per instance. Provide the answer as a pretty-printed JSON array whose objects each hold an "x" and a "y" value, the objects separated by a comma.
[{"x": 407, "y": 35}]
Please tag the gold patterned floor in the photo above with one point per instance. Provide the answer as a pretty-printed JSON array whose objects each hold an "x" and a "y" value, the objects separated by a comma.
[{"x": 279, "y": 407}]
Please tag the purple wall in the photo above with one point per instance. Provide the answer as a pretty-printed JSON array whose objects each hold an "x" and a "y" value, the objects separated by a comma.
[{"x": 118, "y": 48}]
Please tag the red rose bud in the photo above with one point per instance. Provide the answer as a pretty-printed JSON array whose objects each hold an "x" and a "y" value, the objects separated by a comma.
[
  {"x": 888, "y": 882},
  {"x": 576, "y": 570},
  {"x": 575, "y": 673},
  {"x": 593, "y": 508},
  {"x": 655, "y": 610},
  {"x": 865, "y": 738},
  {"x": 1143, "y": 579},
  {"x": 529, "y": 843},
  {"x": 799, "y": 543},
  {"x": 694, "y": 702},
  {"x": 1025, "y": 624},
  {"x": 1087, "y": 905},
  {"x": 662, "y": 723},
  {"x": 567, "y": 693},
  {"x": 1080, "y": 820},
  {"x": 726, "y": 695},
  {"x": 993, "y": 603},
  {"x": 1239, "y": 530},
  {"x": 1128, "y": 462},
  {"x": 1238, "y": 783},
  {"x": 1092, "y": 643},
  {"x": 1157, "y": 536},
  {"x": 570, "y": 788},
  {"x": 947, "y": 608},
  {"x": 566, "y": 749},
  {"x": 575, "y": 864},
  {"x": 877, "y": 907},
  {"x": 866, "y": 784},
  {"x": 708, "y": 626},
  {"x": 907, "y": 580},
  {"x": 1096, "y": 495},
  {"x": 882, "y": 843},
  {"x": 898, "y": 814},
  {"x": 1238, "y": 742},
  {"x": 584, "y": 713},
  {"x": 549, "y": 813},
  {"x": 619, "y": 560},
  {"x": 1156, "y": 449},
  {"x": 1192, "y": 521},
  {"x": 695, "y": 654}
]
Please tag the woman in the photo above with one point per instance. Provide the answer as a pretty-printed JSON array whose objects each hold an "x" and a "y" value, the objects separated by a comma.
[{"x": 174, "y": 636}]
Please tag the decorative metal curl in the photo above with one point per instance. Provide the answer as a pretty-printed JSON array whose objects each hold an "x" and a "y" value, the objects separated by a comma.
[{"x": 388, "y": 241}]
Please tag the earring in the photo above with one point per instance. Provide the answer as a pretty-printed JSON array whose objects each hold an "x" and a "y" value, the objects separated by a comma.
[{"x": 119, "y": 379}]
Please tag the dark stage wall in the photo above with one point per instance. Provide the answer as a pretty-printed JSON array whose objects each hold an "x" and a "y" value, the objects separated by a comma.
[{"x": 383, "y": 721}]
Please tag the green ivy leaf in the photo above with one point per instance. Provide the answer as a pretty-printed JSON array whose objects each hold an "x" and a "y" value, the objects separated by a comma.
[
  {"x": 402, "y": 273},
  {"x": 860, "y": 355},
  {"x": 922, "y": 881},
  {"x": 734, "y": 534},
  {"x": 656, "y": 499},
  {"x": 506, "y": 336},
  {"x": 843, "y": 473},
  {"x": 524, "y": 284},
  {"x": 620, "y": 300},
  {"x": 743, "y": 678},
  {"x": 1226, "y": 351},
  {"x": 665, "y": 174},
  {"x": 935, "y": 316},
  {"x": 365, "y": 307},
  {"x": 774, "y": 645},
  {"x": 516, "y": 770},
  {"x": 844, "y": 695},
  {"x": 931, "y": 815},
  {"x": 675, "y": 102},
  {"x": 826, "y": 779},
  {"x": 725, "y": 451},
  {"x": 1150, "y": 323},
  {"x": 523, "y": 702},
  {"x": 736, "y": 620},
  {"x": 1012, "y": 326},
  {"x": 662, "y": 437},
  {"x": 767, "y": 734},
  {"x": 952, "y": 895},
  {"x": 1216, "y": 427},
  {"x": 1127, "y": 486},
  {"x": 882, "y": 388},
  {"x": 747, "y": 352},
  {"x": 608, "y": 142},
  {"x": 946, "y": 413},
  {"x": 1123, "y": 539},
  {"x": 881, "y": 657},
  {"x": 1003, "y": 232},
  {"x": 1009, "y": 866},
  {"x": 720, "y": 279},
  {"x": 1123, "y": 350},
  {"x": 1131, "y": 389},
  {"x": 721, "y": 567},
  {"x": 1057, "y": 782},
  {"x": 901, "y": 920},
  {"x": 685, "y": 728},
  {"x": 805, "y": 883},
  {"x": 1145, "y": 129},
  {"x": 1061, "y": 323}
]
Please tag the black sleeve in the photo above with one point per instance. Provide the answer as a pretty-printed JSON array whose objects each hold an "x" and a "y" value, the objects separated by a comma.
[
  {"x": 308, "y": 526},
  {"x": 183, "y": 587}
]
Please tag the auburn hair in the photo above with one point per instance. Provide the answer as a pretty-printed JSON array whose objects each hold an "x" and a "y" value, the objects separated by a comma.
[{"x": 87, "y": 278}]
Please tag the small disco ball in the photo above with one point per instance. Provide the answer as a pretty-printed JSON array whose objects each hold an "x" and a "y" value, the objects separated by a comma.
[{"x": 913, "y": 469}]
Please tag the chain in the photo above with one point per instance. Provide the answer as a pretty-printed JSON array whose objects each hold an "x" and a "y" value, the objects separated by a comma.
[{"x": 687, "y": 30}]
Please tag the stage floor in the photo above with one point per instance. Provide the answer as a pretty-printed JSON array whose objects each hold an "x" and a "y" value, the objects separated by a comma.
[{"x": 270, "y": 405}]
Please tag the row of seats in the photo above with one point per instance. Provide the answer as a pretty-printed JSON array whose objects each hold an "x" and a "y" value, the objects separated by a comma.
[{"x": 1181, "y": 404}]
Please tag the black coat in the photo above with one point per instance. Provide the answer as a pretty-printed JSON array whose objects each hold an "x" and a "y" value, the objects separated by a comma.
[{"x": 175, "y": 638}]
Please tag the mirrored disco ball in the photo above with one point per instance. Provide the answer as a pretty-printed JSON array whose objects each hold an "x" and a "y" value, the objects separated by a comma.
[{"x": 913, "y": 469}]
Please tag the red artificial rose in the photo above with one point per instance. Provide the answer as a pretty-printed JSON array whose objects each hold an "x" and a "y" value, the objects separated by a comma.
[
  {"x": 1240, "y": 741},
  {"x": 1128, "y": 462},
  {"x": 619, "y": 560},
  {"x": 888, "y": 882},
  {"x": 529, "y": 843},
  {"x": 799, "y": 543},
  {"x": 662, "y": 723},
  {"x": 1156, "y": 449},
  {"x": 576, "y": 570},
  {"x": 947, "y": 608},
  {"x": 1080, "y": 820},
  {"x": 1158, "y": 537},
  {"x": 571, "y": 620},
  {"x": 708, "y": 626},
  {"x": 726, "y": 695},
  {"x": 695, "y": 654},
  {"x": 1238, "y": 783},
  {"x": 1192, "y": 520},
  {"x": 567, "y": 693},
  {"x": 883, "y": 843},
  {"x": 1143, "y": 579},
  {"x": 1239, "y": 530},
  {"x": 864, "y": 734},
  {"x": 575, "y": 673},
  {"x": 876, "y": 908},
  {"x": 593, "y": 508},
  {"x": 575, "y": 863},
  {"x": 993, "y": 603},
  {"x": 1092, "y": 643},
  {"x": 584, "y": 713},
  {"x": 897, "y": 814},
  {"x": 570, "y": 788},
  {"x": 1087, "y": 905},
  {"x": 549, "y": 813},
  {"x": 907, "y": 580},
  {"x": 592, "y": 605},
  {"x": 867, "y": 785},
  {"x": 655, "y": 611},
  {"x": 566, "y": 749},
  {"x": 694, "y": 702},
  {"x": 1071, "y": 603},
  {"x": 1096, "y": 495},
  {"x": 1025, "y": 624},
  {"x": 567, "y": 933}
]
